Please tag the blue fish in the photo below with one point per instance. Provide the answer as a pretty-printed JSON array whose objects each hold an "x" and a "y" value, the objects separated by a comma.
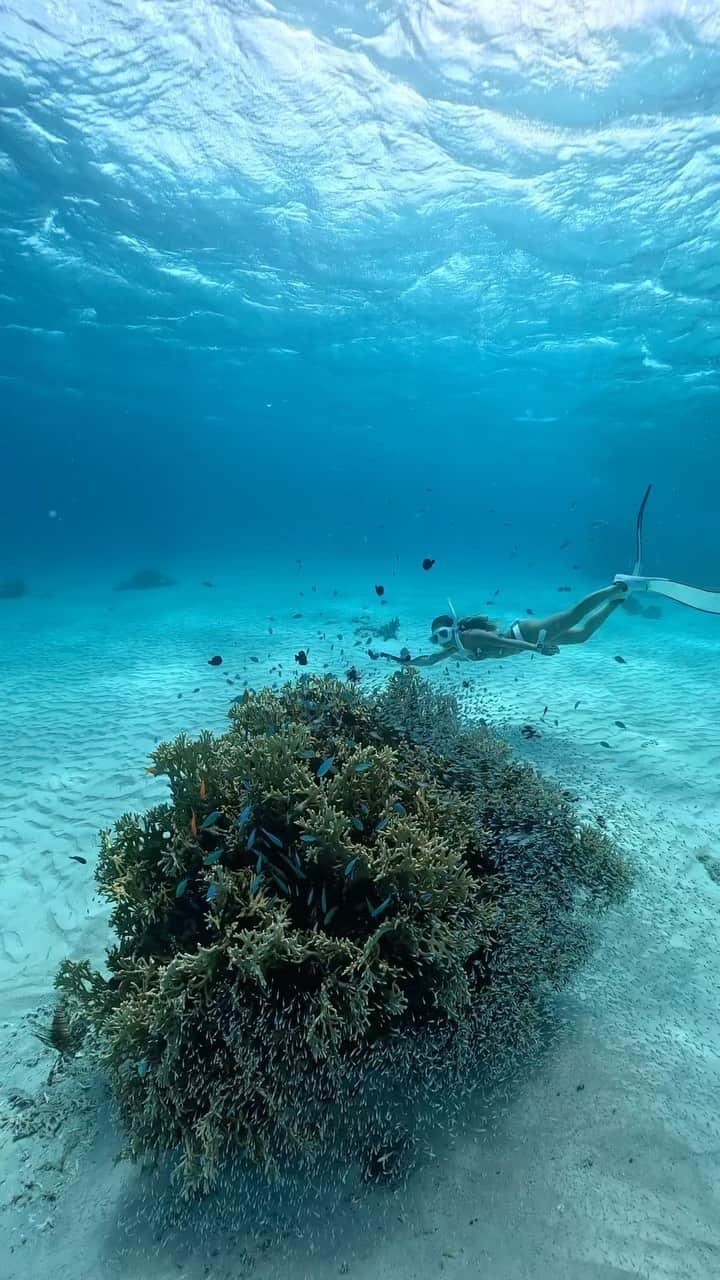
[
  {"x": 382, "y": 824},
  {"x": 182, "y": 886},
  {"x": 376, "y": 911},
  {"x": 212, "y": 891},
  {"x": 257, "y": 881},
  {"x": 323, "y": 901},
  {"x": 308, "y": 838},
  {"x": 272, "y": 838},
  {"x": 325, "y": 767},
  {"x": 244, "y": 815},
  {"x": 210, "y": 820},
  {"x": 358, "y": 825},
  {"x": 363, "y": 766},
  {"x": 329, "y": 915},
  {"x": 351, "y": 866},
  {"x": 400, "y": 808},
  {"x": 213, "y": 857},
  {"x": 251, "y": 839},
  {"x": 143, "y": 1067}
]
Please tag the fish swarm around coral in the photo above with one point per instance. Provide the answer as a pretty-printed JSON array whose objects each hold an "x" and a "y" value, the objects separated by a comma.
[{"x": 348, "y": 899}]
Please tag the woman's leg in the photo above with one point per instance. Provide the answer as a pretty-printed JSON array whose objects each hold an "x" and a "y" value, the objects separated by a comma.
[
  {"x": 578, "y": 635},
  {"x": 557, "y": 623}
]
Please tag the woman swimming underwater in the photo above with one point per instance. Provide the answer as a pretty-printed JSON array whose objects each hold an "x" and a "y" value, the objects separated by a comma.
[{"x": 478, "y": 637}]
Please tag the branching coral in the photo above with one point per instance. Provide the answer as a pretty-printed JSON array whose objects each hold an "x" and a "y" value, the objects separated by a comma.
[{"x": 341, "y": 890}]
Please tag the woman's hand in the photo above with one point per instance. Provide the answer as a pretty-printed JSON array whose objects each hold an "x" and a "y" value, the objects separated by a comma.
[{"x": 548, "y": 649}]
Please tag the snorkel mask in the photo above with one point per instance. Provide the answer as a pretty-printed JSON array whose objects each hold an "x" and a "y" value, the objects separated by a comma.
[{"x": 446, "y": 635}]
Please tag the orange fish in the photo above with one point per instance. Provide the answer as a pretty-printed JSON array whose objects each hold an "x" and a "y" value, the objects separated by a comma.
[
  {"x": 203, "y": 789},
  {"x": 152, "y": 769},
  {"x": 193, "y": 823}
]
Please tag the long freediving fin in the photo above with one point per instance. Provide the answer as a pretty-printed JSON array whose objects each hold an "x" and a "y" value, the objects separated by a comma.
[{"x": 639, "y": 532}]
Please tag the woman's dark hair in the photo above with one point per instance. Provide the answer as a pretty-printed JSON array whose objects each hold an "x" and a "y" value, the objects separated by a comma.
[{"x": 480, "y": 620}]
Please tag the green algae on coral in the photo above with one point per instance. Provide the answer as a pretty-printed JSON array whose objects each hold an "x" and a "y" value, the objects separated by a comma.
[{"x": 345, "y": 931}]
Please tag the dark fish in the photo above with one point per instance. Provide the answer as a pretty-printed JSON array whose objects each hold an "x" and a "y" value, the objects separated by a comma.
[
  {"x": 76, "y": 858},
  {"x": 325, "y": 767},
  {"x": 620, "y": 724},
  {"x": 564, "y": 588},
  {"x": 545, "y": 713},
  {"x": 182, "y": 886},
  {"x": 352, "y": 674},
  {"x": 605, "y": 744},
  {"x": 379, "y": 590},
  {"x": 563, "y": 545},
  {"x": 363, "y": 765},
  {"x": 619, "y": 659},
  {"x": 301, "y": 658},
  {"x": 427, "y": 563},
  {"x": 529, "y": 731},
  {"x": 297, "y": 615},
  {"x": 208, "y": 584},
  {"x": 577, "y": 704},
  {"x": 530, "y": 611},
  {"x": 216, "y": 661}
]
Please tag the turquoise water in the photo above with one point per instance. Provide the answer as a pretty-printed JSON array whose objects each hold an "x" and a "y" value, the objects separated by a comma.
[{"x": 292, "y": 297}]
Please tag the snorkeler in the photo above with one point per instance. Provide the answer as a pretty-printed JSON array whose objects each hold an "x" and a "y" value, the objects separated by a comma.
[{"x": 478, "y": 637}]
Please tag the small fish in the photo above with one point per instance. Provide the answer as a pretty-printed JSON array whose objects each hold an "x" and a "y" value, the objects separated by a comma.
[
  {"x": 621, "y": 724},
  {"x": 257, "y": 881},
  {"x": 376, "y": 911},
  {"x": 563, "y": 545},
  {"x": 351, "y": 866},
  {"x": 182, "y": 886},
  {"x": 203, "y": 789},
  {"x": 379, "y": 589},
  {"x": 605, "y": 744},
  {"x": 544, "y": 712},
  {"x": 272, "y": 838},
  {"x": 251, "y": 838},
  {"x": 363, "y": 766},
  {"x": 193, "y": 823},
  {"x": 242, "y": 819},
  {"x": 427, "y": 563},
  {"x": 400, "y": 808},
  {"x": 352, "y": 675},
  {"x": 357, "y": 823},
  {"x": 619, "y": 658},
  {"x": 382, "y": 824},
  {"x": 325, "y": 767},
  {"x": 308, "y": 838},
  {"x": 297, "y": 615},
  {"x": 151, "y": 770},
  {"x": 213, "y": 857},
  {"x": 76, "y": 858},
  {"x": 211, "y": 819},
  {"x": 212, "y": 892},
  {"x": 564, "y": 588},
  {"x": 208, "y": 584},
  {"x": 329, "y": 915},
  {"x": 215, "y": 661},
  {"x": 530, "y": 611},
  {"x": 254, "y": 659},
  {"x": 323, "y": 901},
  {"x": 301, "y": 658},
  {"x": 143, "y": 1067},
  {"x": 577, "y": 704}
]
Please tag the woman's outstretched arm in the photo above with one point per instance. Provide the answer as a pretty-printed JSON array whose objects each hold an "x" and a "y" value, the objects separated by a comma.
[{"x": 422, "y": 660}]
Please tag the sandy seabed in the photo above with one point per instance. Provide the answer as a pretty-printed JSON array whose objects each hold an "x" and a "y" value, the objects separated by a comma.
[{"x": 604, "y": 1161}]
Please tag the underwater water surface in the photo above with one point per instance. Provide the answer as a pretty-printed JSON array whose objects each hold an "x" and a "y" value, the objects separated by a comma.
[{"x": 315, "y": 316}]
